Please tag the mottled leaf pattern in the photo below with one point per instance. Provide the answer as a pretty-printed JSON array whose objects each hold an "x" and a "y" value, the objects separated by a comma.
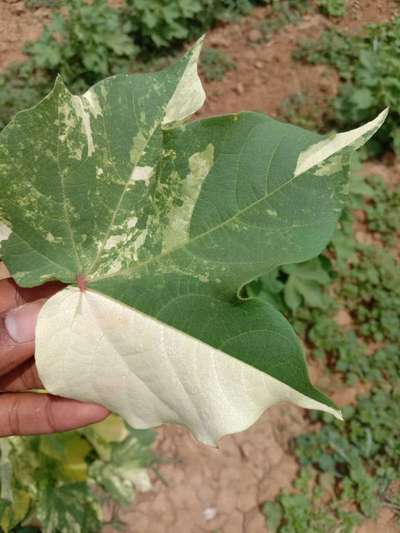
[{"x": 164, "y": 221}]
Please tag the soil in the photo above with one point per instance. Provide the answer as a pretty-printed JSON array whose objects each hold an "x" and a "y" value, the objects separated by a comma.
[
  {"x": 199, "y": 488},
  {"x": 207, "y": 489},
  {"x": 18, "y": 25},
  {"x": 266, "y": 74}
]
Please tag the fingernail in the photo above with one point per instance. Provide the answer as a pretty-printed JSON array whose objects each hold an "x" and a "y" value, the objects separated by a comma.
[
  {"x": 90, "y": 413},
  {"x": 20, "y": 322},
  {"x": 74, "y": 413}
]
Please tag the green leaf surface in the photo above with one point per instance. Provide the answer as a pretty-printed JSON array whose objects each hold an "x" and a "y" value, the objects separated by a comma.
[
  {"x": 305, "y": 284},
  {"x": 161, "y": 223}
]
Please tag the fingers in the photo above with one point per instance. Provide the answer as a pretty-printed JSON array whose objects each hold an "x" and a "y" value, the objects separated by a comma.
[
  {"x": 17, "y": 333},
  {"x": 29, "y": 413},
  {"x": 18, "y": 313},
  {"x": 4, "y": 273},
  {"x": 12, "y": 296},
  {"x": 33, "y": 414},
  {"x": 23, "y": 378}
]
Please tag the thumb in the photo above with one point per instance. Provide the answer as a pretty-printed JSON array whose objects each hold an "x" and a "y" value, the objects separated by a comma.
[
  {"x": 17, "y": 334},
  {"x": 20, "y": 322}
]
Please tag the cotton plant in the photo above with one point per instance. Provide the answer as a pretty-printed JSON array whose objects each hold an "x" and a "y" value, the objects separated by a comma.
[
  {"x": 66, "y": 481},
  {"x": 156, "y": 223}
]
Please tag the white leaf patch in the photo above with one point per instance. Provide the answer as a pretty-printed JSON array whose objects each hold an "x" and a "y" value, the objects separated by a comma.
[
  {"x": 90, "y": 347},
  {"x": 5, "y": 232},
  {"x": 141, "y": 174},
  {"x": 318, "y": 153},
  {"x": 84, "y": 116},
  {"x": 189, "y": 94}
]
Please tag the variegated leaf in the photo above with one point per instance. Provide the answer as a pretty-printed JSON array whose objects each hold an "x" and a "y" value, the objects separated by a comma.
[{"x": 161, "y": 222}]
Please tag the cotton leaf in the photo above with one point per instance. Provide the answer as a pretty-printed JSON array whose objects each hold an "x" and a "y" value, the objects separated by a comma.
[
  {"x": 161, "y": 222},
  {"x": 159, "y": 373}
]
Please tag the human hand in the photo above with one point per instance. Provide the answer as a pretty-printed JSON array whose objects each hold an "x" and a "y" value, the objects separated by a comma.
[{"x": 22, "y": 412}]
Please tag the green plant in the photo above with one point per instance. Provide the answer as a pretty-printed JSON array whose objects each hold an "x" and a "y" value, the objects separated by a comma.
[
  {"x": 283, "y": 12},
  {"x": 161, "y": 23},
  {"x": 147, "y": 243},
  {"x": 348, "y": 472},
  {"x": 348, "y": 465},
  {"x": 372, "y": 294},
  {"x": 34, "y": 4},
  {"x": 368, "y": 65},
  {"x": 299, "y": 109},
  {"x": 65, "y": 480},
  {"x": 215, "y": 64},
  {"x": 305, "y": 510},
  {"x": 85, "y": 44},
  {"x": 164, "y": 23},
  {"x": 295, "y": 285},
  {"x": 381, "y": 210},
  {"x": 334, "y": 8},
  {"x": 90, "y": 42},
  {"x": 19, "y": 89}
]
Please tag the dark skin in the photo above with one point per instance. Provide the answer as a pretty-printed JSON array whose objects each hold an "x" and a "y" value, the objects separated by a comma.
[{"x": 23, "y": 412}]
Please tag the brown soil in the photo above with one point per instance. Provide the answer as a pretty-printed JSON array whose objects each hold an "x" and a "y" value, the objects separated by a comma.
[
  {"x": 266, "y": 74},
  {"x": 221, "y": 490},
  {"x": 209, "y": 489},
  {"x": 18, "y": 25}
]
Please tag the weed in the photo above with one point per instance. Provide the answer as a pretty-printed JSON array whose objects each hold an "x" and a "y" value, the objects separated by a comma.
[
  {"x": 87, "y": 44},
  {"x": 301, "y": 110},
  {"x": 382, "y": 210},
  {"x": 371, "y": 292},
  {"x": 162, "y": 24},
  {"x": 35, "y": 4},
  {"x": 304, "y": 510},
  {"x": 333, "y": 8},
  {"x": 89, "y": 41},
  {"x": 368, "y": 65},
  {"x": 283, "y": 13},
  {"x": 349, "y": 470},
  {"x": 215, "y": 64},
  {"x": 344, "y": 465}
]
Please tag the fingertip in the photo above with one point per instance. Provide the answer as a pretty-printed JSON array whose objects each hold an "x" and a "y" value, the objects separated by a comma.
[
  {"x": 37, "y": 414},
  {"x": 90, "y": 413},
  {"x": 69, "y": 414},
  {"x": 20, "y": 322}
]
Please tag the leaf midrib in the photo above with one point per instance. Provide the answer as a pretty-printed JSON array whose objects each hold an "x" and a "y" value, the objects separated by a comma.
[
  {"x": 93, "y": 266},
  {"x": 65, "y": 208},
  {"x": 201, "y": 235}
]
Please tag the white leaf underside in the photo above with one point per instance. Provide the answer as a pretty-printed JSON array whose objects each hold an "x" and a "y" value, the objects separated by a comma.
[
  {"x": 5, "y": 232},
  {"x": 93, "y": 348}
]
